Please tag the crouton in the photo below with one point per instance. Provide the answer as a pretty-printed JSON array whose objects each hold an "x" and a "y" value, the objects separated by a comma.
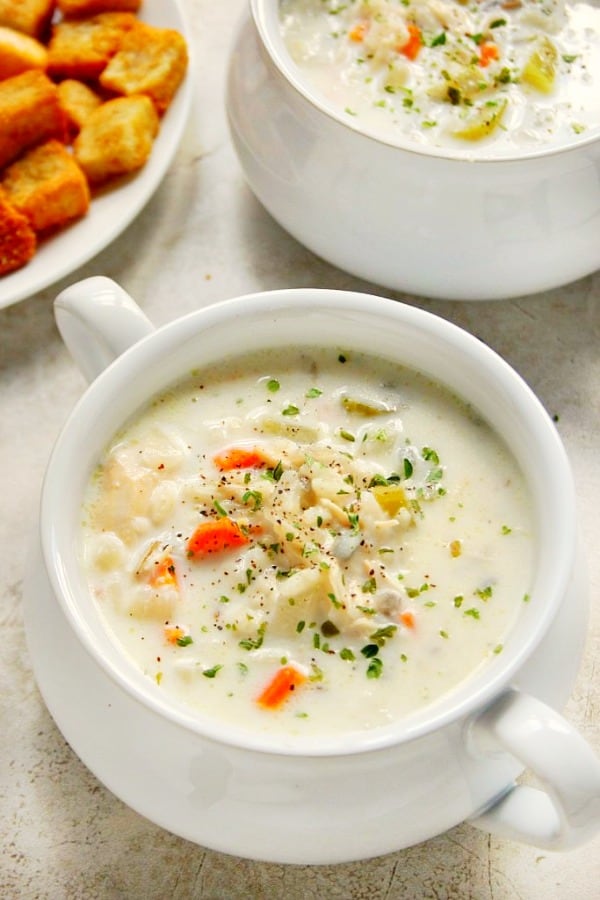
[
  {"x": 116, "y": 138},
  {"x": 19, "y": 52},
  {"x": 47, "y": 186},
  {"x": 78, "y": 100},
  {"x": 150, "y": 61},
  {"x": 30, "y": 113},
  {"x": 17, "y": 238},
  {"x": 81, "y": 48},
  {"x": 92, "y": 7},
  {"x": 30, "y": 16}
]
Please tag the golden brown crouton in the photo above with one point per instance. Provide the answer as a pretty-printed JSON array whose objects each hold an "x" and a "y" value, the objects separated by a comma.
[
  {"x": 47, "y": 186},
  {"x": 17, "y": 238},
  {"x": 151, "y": 61},
  {"x": 19, "y": 52},
  {"x": 30, "y": 113},
  {"x": 78, "y": 101},
  {"x": 30, "y": 16},
  {"x": 81, "y": 48},
  {"x": 92, "y": 7},
  {"x": 116, "y": 138}
]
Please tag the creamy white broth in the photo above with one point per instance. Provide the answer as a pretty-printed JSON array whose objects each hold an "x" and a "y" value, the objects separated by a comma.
[
  {"x": 379, "y": 542},
  {"x": 487, "y": 78}
]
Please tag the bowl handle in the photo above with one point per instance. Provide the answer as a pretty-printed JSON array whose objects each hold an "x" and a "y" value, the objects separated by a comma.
[
  {"x": 566, "y": 813},
  {"x": 98, "y": 320}
]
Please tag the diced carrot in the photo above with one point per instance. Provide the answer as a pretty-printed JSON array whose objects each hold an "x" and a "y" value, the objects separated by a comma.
[
  {"x": 411, "y": 48},
  {"x": 487, "y": 52},
  {"x": 407, "y": 617},
  {"x": 239, "y": 458},
  {"x": 163, "y": 574},
  {"x": 357, "y": 33},
  {"x": 285, "y": 680},
  {"x": 216, "y": 536},
  {"x": 174, "y": 634}
]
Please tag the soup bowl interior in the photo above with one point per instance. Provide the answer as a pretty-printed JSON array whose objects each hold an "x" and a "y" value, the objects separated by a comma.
[{"x": 346, "y": 322}]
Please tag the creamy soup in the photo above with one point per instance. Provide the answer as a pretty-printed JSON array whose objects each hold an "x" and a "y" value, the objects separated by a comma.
[
  {"x": 500, "y": 77},
  {"x": 308, "y": 542}
]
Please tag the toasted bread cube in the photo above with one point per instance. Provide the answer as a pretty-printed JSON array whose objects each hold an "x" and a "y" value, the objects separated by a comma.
[
  {"x": 82, "y": 48},
  {"x": 20, "y": 52},
  {"x": 30, "y": 16},
  {"x": 78, "y": 100},
  {"x": 17, "y": 237},
  {"x": 74, "y": 8},
  {"x": 47, "y": 186},
  {"x": 151, "y": 61},
  {"x": 116, "y": 138},
  {"x": 30, "y": 113}
]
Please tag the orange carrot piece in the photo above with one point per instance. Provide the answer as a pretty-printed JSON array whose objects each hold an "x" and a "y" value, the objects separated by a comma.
[
  {"x": 239, "y": 458},
  {"x": 277, "y": 691},
  {"x": 487, "y": 52},
  {"x": 357, "y": 33},
  {"x": 216, "y": 536},
  {"x": 163, "y": 574},
  {"x": 174, "y": 634},
  {"x": 411, "y": 48},
  {"x": 407, "y": 617}
]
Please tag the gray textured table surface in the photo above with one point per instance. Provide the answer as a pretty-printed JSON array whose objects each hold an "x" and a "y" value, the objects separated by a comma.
[{"x": 203, "y": 238}]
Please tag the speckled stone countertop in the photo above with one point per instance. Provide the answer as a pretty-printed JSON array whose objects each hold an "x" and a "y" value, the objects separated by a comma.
[{"x": 202, "y": 238}]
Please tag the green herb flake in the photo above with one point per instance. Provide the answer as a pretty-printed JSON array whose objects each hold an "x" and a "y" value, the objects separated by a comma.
[
  {"x": 439, "y": 40},
  {"x": 458, "y": 601},
  {"x": 498, "y": 649},
  {"x": 185, "y": 640},
  {"x": 474, "y": 613},
  {"x": 506, "y": 529},
  {"x": 210, "y": 673},
  {"x": 219, "y": 509},
  {"x": 347, "y": 654},
  {"x": 369, "y": 586},
  {"x": 300, "y": 626},
  {"x": 255, "y": 643},
  {"x": 290, "y": 410},
  {"x": 484, "y": 593},
  {"x": 370, "y": 650},
  {"x": 312, "y": 393},
  {"x": 407, "y": 467},
  {"x": 255, "y": 496},
  {"x": 375, "y": 668},
  {"x": 444, "y": 634},
  {"x": 346, "y": 435},
  {"x": 273, "y": 385}
]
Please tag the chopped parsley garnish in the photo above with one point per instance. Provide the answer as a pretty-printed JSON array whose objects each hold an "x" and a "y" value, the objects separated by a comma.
[
  {"x": 184, "y": 641},
  {"x": 210, "y": 673},
  {"x": 375, "y": 668}
]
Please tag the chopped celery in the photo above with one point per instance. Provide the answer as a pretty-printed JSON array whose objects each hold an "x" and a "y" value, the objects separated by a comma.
[
  {"x": 540, "y": 69},
  {"x": 483, "y": 122},
  {"x": 390, "y": 497}
]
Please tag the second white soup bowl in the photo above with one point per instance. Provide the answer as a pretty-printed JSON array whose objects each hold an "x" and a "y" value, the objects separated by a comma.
[{"x": 440, "y": 223}]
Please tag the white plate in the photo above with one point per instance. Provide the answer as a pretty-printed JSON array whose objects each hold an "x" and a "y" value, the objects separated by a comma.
[{"x": 112, "y": 211}]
